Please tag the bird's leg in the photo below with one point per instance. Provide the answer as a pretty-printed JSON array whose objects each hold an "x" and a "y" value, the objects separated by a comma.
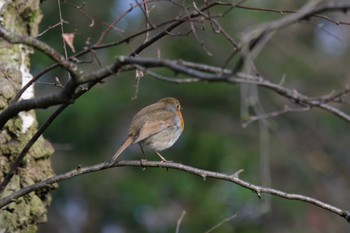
[
  {"x": 162, "y": 158},
  {"x": 143, "y": 152},
  {"x": 142, "y": 159},
  {"x": 144, "y": 155}
]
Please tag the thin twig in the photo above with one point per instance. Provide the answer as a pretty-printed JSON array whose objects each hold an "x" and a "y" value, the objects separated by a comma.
[
  {"x": 92, "y": 20},
  {"x": 49, "y": 28},
  {"x": 219, "y": 28},
  {"x": 117, "y": 20},
  {"x": 336, "y": 96},
  {"x": 148, "y": 22},
  {"x": 337, "y": 22},
  {"x": 221, "y": 223},
  {"x": 286, "y": 109},
  {"x": 33, "y": 80},
  {"x": 194, "y": 31},
  {"x": 179, "y": 221},
  {"x": 167, "y": 79},
  {"x": 62, "y": 28}
]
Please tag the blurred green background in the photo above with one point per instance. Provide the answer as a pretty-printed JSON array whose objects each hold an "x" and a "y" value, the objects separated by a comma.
[{"x": 309, "y": 151}]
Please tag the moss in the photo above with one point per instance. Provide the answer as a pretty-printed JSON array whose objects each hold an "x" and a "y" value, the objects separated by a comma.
[
  {"x": 30, "y": 229},
  {"x": 41, "y": 149},
  {"x": 4, "y": 138},
  {"x": 6, "y": 219},
  {"x": 4, "y": 167},
  {"x": 14, "y": 126},
  {"x": 31, "y": 18},
  {"x": 22, "y": 215},
  {"x": 34, "y": 22},
  {"x": 12, "y": 186},
  {"x": 37, "y": 208},
  {"x": 23, "y": 212},
  {"x": 7, "y": 91}
]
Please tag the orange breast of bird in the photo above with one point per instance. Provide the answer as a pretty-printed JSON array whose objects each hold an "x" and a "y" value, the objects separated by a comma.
[{"x": 182, "y": 123}]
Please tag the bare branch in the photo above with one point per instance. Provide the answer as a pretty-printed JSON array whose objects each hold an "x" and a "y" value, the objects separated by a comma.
[
  {"x": 178, "y": 67},
  {"x": 196, "y": 72},
  {"x": 38, "y": 133},
  {"x": 337, "y": 97},
  {"x": 64, "y": 96},
  {"x": 177, "y": 166},
  {"x": 41, "y": 46},
  {"x": 29, "y": 145},
  {"x": 281, "y": 12},
  {"x": 177, "y": 22},
  {"x": 255, "y": 36}
]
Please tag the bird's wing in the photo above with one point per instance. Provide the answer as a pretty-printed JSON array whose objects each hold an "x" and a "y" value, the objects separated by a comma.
[{"x": 151, "y": 128}]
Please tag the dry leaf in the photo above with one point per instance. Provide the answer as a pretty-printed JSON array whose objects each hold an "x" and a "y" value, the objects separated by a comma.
[
  {"x": 68, "y": 38},
  {"x": 139, "y": 73}
]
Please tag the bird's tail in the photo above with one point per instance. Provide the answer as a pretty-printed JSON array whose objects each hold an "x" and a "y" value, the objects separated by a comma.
[{"x": 125, "y": 145}]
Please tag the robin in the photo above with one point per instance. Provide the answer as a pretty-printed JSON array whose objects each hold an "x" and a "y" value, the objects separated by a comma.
[{"x": 155, "y": 127}]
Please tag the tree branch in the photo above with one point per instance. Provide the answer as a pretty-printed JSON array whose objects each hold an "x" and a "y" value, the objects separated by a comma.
[
  {"x": 201, "y": 72},
  {"x": 234, "y": 178},
  {"x": 41, "y": 46},
  {"x": 64, "y": 96},
  {"x": 29, "y": 145},
  {"x": 38, "y": 133},
  {"x": 44, "y": 102}
]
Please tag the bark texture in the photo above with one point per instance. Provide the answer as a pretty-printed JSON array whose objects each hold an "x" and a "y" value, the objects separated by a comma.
[{"x": 24, "y": 215}]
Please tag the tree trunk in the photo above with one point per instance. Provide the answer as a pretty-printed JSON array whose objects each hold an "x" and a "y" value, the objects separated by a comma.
[{"x": 23, "y": 215}]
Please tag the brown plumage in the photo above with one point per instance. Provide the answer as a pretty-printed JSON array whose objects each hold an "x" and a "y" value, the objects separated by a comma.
[{"x": 155, "y": 127}]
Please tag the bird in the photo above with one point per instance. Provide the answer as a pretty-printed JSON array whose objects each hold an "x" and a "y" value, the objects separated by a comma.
[{"x": 156, "y": 127}]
